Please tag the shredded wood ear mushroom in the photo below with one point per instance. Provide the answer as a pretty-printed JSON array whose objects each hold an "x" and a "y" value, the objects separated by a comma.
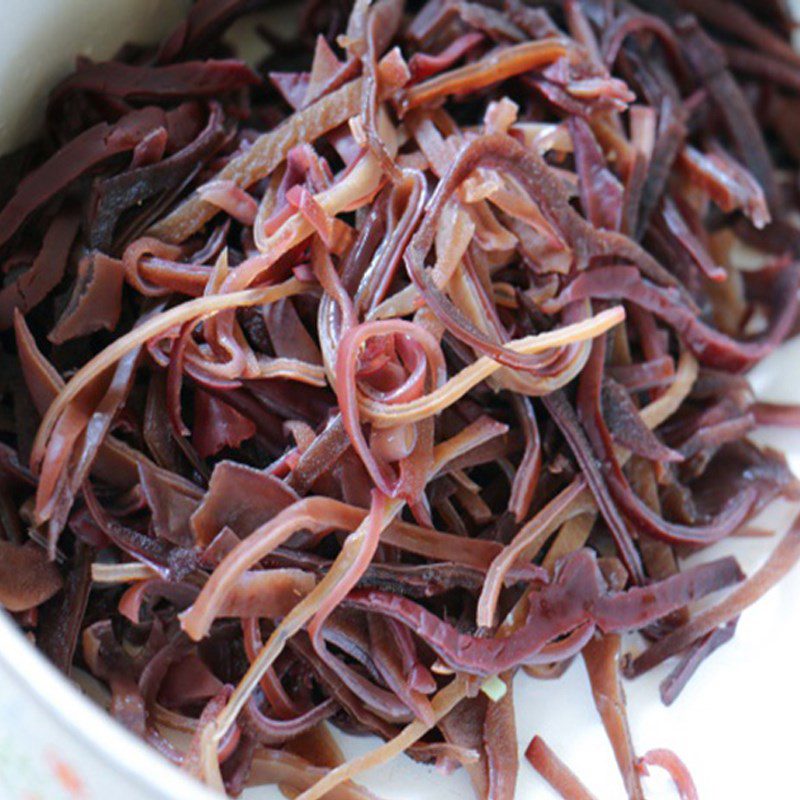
[{"x": 344, "y": 387}]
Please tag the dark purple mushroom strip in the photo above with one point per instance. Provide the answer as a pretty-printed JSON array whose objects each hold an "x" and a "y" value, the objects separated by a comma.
[
  {"x": 44, "y": 274},
  {"x": 186, "y": 79},
  {"x": 62, "y": 618},
  {"x": 581, "y": 601},
  {"x": 780, "y": 562},
  {"x": 114, "y": 195},
  {"x": 675, "y": 682},
  {"x": 65, "y": 166}
]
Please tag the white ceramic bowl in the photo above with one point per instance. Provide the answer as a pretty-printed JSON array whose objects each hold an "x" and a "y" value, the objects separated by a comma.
[{"x": 735, "y": 724}]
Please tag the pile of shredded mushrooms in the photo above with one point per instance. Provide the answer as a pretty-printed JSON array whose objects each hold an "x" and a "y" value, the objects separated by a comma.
[{"x": 341, "y": 387}]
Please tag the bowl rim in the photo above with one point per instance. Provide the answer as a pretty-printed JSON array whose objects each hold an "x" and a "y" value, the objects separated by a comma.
[{"x": 65, "y": 705}]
